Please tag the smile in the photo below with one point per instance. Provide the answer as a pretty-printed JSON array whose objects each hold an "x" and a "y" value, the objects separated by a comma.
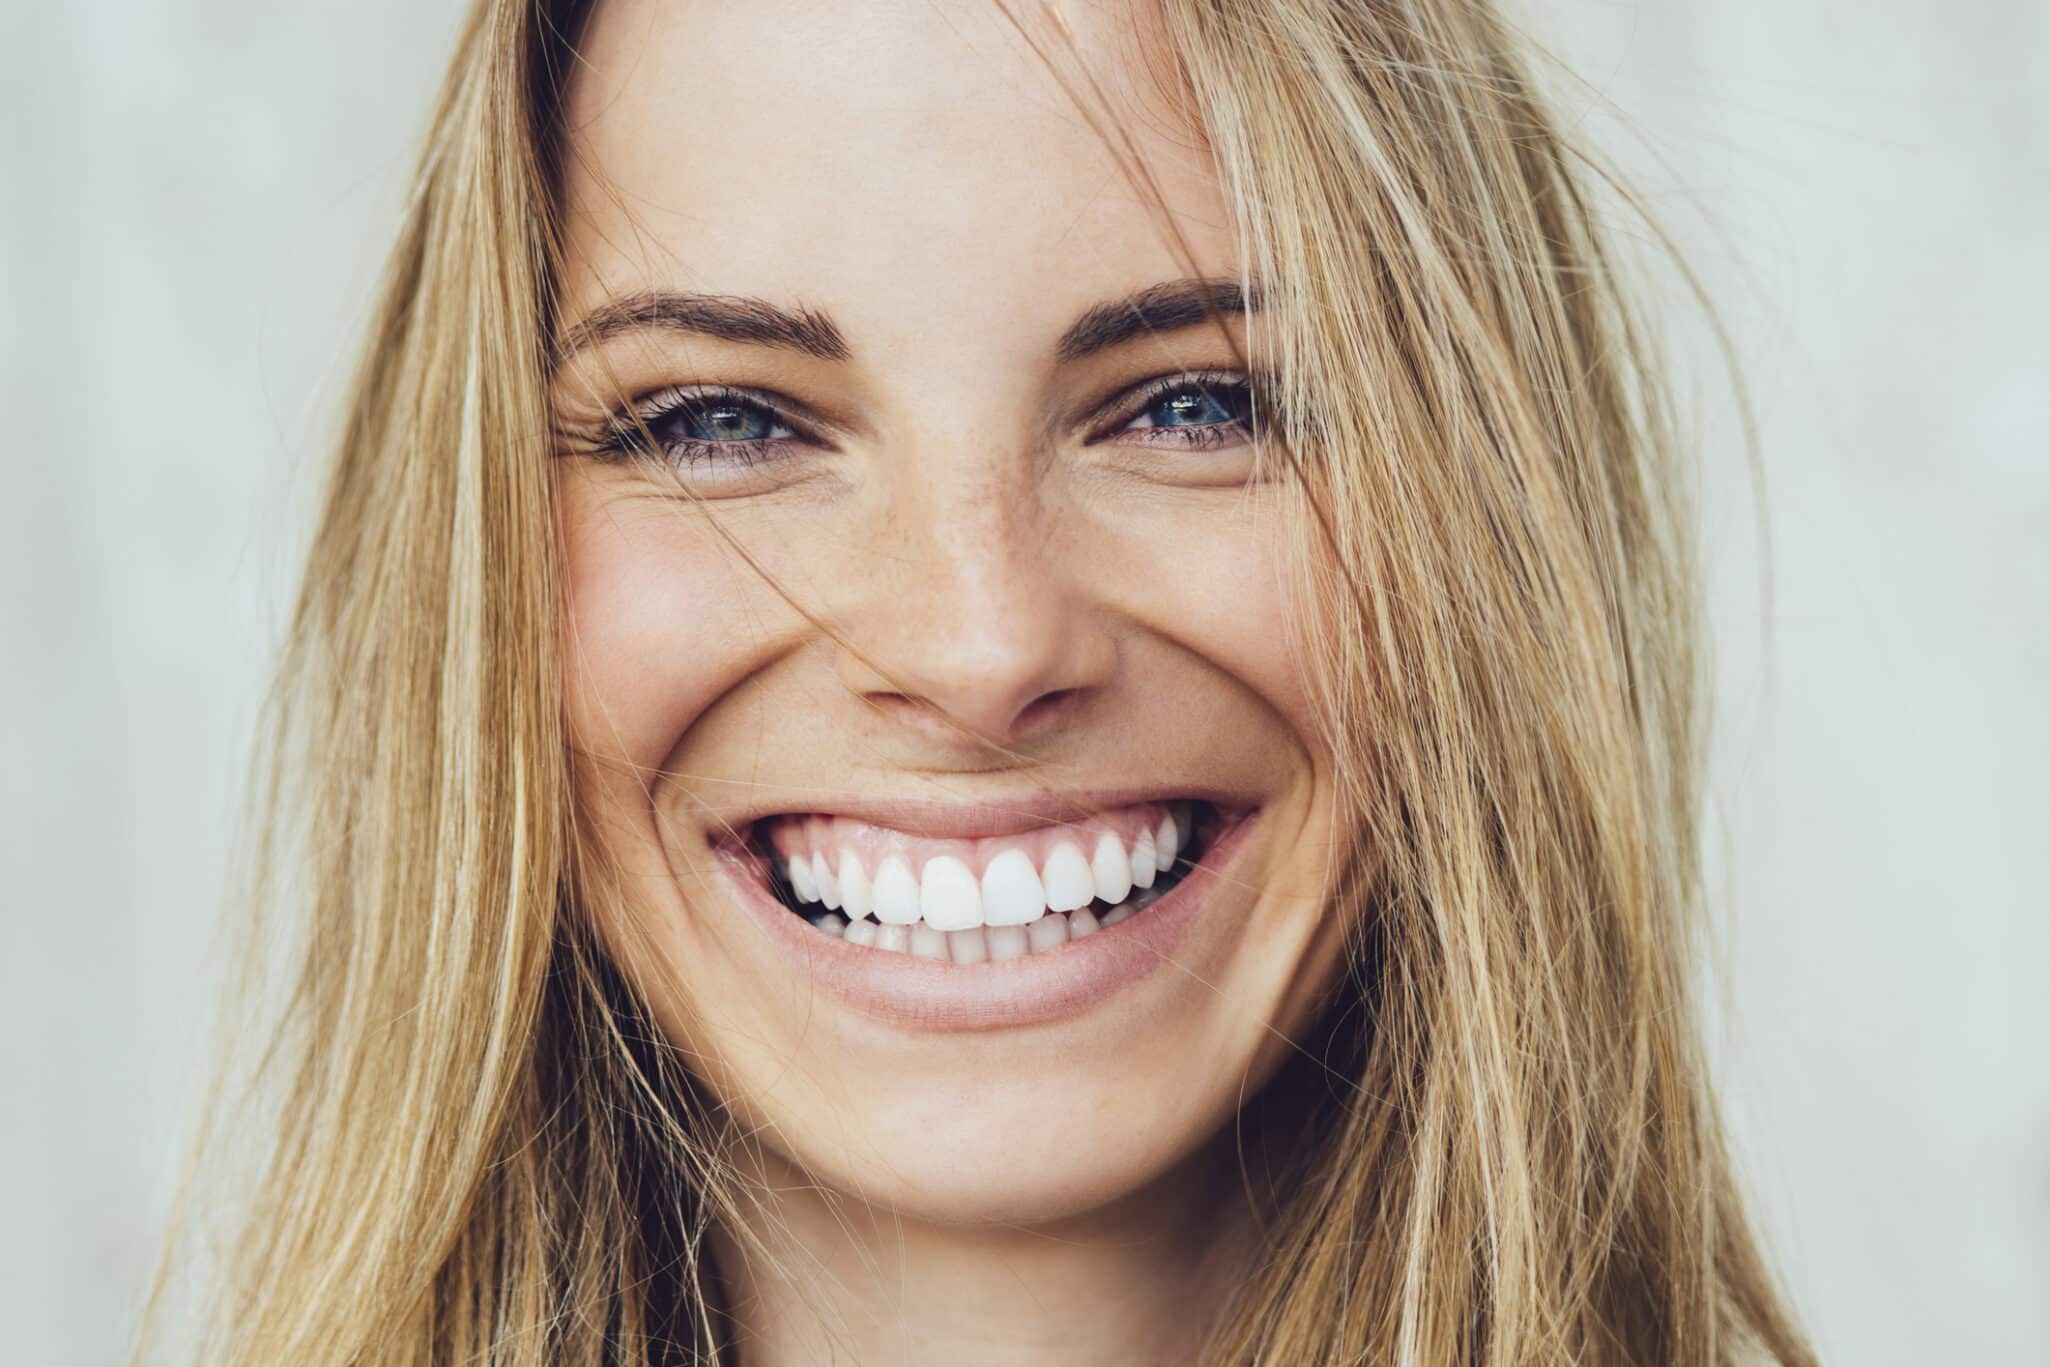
[
  {"x": 970, "y": 901},
  {"x": 984, "y": 916}
]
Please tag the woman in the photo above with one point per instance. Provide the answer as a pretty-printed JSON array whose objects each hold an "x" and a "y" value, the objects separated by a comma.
[{"x": 995, "y": 685}]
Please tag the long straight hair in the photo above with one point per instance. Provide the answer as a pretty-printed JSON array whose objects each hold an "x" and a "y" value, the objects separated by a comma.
[{"x": 476, "y": 1147}]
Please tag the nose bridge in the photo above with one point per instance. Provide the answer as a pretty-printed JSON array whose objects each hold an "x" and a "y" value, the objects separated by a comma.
[{"x": 967, "y": 616}]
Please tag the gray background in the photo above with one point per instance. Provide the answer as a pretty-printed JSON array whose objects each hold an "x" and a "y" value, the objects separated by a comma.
[{"x": 196, "y": 195}]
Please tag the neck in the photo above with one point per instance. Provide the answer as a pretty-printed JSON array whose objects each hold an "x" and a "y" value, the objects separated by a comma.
[{"x": 840, "y": 1281}]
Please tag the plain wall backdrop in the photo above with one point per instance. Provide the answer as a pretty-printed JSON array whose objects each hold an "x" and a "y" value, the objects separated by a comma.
[{"x": 197, "y": 194}]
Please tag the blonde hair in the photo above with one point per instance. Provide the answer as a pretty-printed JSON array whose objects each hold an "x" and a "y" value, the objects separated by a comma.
[{"x": 1515, "y": 1158}]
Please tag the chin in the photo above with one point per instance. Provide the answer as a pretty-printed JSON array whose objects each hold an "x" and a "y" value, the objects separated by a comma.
[{"x": 1059, "y": 1140}]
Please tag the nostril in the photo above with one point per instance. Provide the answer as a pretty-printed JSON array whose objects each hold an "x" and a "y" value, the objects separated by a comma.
[
  {"x": 990, "y": 727},
  {"x": 1043, "y": 711}
]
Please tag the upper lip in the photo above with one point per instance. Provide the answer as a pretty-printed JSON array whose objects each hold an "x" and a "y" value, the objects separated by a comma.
[{"x": 1005, "y": 814}]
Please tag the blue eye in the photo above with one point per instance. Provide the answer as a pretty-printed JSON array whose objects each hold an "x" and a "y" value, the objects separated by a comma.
[
  {"x": 704, "y": 426},
  {"x": 721, "y": 420},
  {"x": 1195, "y": 407},
  {"x": 1194, "y": 411}
]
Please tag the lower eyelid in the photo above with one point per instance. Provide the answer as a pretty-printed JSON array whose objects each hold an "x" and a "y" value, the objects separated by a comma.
[
  {"x": 696, "y": 452},
  {"x": 1209, "y": 434},
  {"x": 785, "y": 433}
]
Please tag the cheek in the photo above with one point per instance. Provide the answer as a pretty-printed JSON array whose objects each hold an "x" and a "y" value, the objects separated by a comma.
[
  {"x": 1223, "y": 585},
  {"x": 661, "y": 619},
  {"x": 1215, "y": 579}
]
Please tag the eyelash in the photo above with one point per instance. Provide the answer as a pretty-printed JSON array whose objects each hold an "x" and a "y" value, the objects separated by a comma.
[
  {"x": 1238, "y": 391},
  {"x": 629, "y": 433}
]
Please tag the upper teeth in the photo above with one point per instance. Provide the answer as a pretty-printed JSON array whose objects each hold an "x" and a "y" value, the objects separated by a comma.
[{"x": 1019, "y": 881}]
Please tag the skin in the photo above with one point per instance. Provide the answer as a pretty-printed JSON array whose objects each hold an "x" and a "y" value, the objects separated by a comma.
[{"x": 958, "y": 589}]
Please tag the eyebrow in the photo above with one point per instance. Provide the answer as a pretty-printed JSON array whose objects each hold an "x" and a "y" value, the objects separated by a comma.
[
  {"x": 728, "y": 317},
  {"x": 1165, "y": 307}
]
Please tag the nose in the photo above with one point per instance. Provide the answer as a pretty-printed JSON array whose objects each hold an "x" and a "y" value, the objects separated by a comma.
[{"x": 970, "y": 619}]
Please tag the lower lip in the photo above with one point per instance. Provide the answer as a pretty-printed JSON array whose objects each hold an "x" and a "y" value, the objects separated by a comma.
[{"x": 928, "y": 994}]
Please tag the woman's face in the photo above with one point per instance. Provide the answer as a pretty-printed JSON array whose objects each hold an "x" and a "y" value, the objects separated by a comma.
[{"x": 944, "y": 594}]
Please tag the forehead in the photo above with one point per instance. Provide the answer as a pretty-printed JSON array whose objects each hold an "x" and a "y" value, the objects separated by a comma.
[{"x": 911, "y": 166}]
